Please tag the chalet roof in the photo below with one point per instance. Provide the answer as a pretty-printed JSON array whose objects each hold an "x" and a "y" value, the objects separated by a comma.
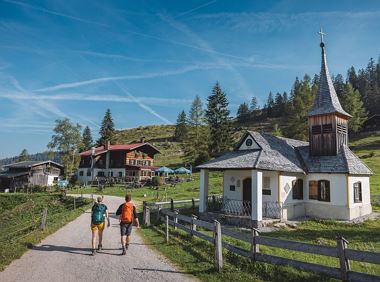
[
  {"x": 287, "y": 155},
  {"x": 116, "y": 147},
  {"x": 30, "y": 164},
  {"x": 327, "y": 101},
  {"x": 9, "y": 174}
]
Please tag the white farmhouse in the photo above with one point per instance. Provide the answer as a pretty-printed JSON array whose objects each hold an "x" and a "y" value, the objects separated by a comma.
[{"x": 275, "y": 177}]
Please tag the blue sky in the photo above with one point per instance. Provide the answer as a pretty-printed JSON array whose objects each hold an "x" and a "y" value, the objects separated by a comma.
[{"x": 146, "y": 60}]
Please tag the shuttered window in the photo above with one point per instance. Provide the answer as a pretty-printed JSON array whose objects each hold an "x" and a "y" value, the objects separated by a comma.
[
  {"x": 297, "y": 189},
  {"x": 327, "y": 128},
  {"x": 357, "y": 192},
  {"x": 313, "y": 190},
  {"x": 324, "y": 190},
  {"x": 316, "y": 129},
  {"x": 266, "y": 186}
]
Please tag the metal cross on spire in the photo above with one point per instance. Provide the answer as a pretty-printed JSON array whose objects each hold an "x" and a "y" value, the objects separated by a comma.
[{"x": 321, "y": 33}]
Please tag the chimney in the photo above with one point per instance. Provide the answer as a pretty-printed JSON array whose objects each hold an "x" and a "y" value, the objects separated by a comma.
[
  {"x": 107, "y": 146},
  {"x": 142, "y": 139}
]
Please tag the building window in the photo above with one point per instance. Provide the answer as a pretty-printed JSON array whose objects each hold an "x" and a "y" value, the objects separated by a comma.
[
  {"x": 81, "y": 173},
  {"x": 88, "y": 173},
  {"x": 327, "y": 128},
  {"x": 324, "y": 190},
  {"x": 313, "y": 190},
  {"x": 316, "y": 129},
  {"x": 297, "y": 189},
  {"x": 120, "y": 174},
  {"x": 357, "y": 192},
  {"x": 267, "y": 192},
  {"x": 266, "y": 186},
  {"x": 101, "y": 173},
  {"x": 232, "y": 187}
]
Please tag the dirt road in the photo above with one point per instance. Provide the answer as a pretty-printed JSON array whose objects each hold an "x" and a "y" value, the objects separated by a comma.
[{"x": 65, "y": 256}]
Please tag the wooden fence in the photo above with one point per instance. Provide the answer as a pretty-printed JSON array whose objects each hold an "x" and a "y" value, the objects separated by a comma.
[{"x": 344, "y": 272}]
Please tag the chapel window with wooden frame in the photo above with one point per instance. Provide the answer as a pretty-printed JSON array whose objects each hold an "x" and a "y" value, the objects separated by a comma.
[
  {"x": 297, "y": 189},
  {"x": 324, "y": 190},
  {"x": 81, "y": 173},
  {"x": 357, "y": 192},
  {"x": 316, "y": 129},
  {"x": 327, "y": 128},
  {"x": 313, "y": 190},
  {"x": 266, "y": 186}
]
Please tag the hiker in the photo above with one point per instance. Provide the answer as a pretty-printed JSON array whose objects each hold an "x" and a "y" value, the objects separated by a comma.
[
  {"x": 127, "y": 212},
  {"x": 98, "y": 214}
]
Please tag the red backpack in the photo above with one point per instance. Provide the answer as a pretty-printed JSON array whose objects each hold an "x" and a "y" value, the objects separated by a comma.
[{"x": 127, "y": 213}]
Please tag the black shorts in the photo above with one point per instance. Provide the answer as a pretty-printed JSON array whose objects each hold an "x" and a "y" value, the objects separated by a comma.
[{"x": 125, "y": 229}]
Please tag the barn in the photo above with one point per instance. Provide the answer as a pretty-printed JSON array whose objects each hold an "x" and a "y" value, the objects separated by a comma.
[{"x": 29, "y": 173}]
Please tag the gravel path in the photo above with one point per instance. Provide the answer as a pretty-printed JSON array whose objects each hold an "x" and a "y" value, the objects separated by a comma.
[{"x": 65, "y": 256}]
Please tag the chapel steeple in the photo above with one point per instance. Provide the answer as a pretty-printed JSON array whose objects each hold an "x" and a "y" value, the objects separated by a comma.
[{"x": 327, "y": 119}]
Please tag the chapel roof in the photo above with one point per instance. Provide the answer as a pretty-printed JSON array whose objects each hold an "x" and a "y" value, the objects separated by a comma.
[{"x": 287, "y": 155}]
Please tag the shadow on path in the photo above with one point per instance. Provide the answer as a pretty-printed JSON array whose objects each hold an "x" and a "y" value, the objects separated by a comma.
[
  {"x": 71, "y": 250},
  {"x": 160, "y": 270}
]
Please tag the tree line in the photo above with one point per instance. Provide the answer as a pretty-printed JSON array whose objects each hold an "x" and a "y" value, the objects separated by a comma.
[{"x": 359, "y": 95}]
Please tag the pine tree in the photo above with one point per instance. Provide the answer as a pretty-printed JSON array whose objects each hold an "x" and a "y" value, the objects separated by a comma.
[
  {"x": 87, "y": 140},
  {"x": 243, "y": 113},
  {"x": 353, "y": 105},
  {"x": 195, "y": 143},
  {"x": 339, "y": 85},
  {"x": 254, "y": 105},
  {"x": 107, "y": 129},
  {"x": 352, "y": 78},
  {"x": 181, "y": 127},
  {"x": 218, "y": 120},
  {"x": 279, "y": 106},
  {"x": 24, "y": 156},
  {"x": 303, "y": 94},
  {"x": 270, "y": 105}
]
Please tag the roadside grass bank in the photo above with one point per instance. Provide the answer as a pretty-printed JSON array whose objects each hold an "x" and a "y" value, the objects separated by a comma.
[
  {"x": 195, "y": 256},
  {"x": 20, "y": 219}
]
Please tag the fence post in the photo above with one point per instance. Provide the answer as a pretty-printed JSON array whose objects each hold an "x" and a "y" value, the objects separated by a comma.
[
  {"x": 43, "y": 219},
  {"x": 193, "y": 225},
  {"x": 193, "y": 204},
  {"x": 167, "y": 228},
  {"x": 254, "y": 247},
  {"x": 147, "y": 216},
  {"x": 213, "y": 202},
  {"x": 144, "y": 212},
  {"x": 92, "y": 197},
  {"x": 218, "y": 246},
  {"x": 75, "y": 203},
  {"x": 158, "y": 212},
  {"x": 175, "y": 220},
  {"x": 171, "y": 204},
  {"x": 344, "y": 263}
]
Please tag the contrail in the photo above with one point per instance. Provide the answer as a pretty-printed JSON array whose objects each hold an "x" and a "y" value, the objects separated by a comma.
[
  {"x": 196, "y": 8},
  {"x": 143, "y": 106},
  {"x": 33, "y": 7},
  {"x": 116, "y": 78}
]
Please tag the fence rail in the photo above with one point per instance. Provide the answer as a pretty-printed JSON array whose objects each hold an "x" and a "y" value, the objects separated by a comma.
[{"x": 172, "y": 218}]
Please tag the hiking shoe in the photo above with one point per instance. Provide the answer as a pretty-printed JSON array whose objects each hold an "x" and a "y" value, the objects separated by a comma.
[
  {"x": 124, "y": 252},
  {"x": 100, "y": 247},
  {"x": 93, "y": 252}
]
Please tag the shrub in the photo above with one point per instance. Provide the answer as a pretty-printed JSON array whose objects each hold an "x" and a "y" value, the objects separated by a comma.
[{"x": 156, "y": 181}]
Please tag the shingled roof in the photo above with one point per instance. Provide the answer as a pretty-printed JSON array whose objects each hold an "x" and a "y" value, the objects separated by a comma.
[
  {"x": 327, "y": 101},
  {"x": 287, "y": 155}
]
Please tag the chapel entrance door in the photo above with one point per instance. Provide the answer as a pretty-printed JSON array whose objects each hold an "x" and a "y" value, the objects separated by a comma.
[{"x": 247, "y": 195}]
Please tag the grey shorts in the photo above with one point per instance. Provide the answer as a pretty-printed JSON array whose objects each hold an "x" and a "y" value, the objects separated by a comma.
[{"x": 125, "y": 229}]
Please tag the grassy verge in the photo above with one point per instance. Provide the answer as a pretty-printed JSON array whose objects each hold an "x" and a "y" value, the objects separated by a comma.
[
  {"x": 20, "y": 217},
  {"x": 195, "y": 256}
]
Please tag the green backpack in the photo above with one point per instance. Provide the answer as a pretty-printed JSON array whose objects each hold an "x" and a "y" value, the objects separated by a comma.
[{"x": 98, "y": 211}]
